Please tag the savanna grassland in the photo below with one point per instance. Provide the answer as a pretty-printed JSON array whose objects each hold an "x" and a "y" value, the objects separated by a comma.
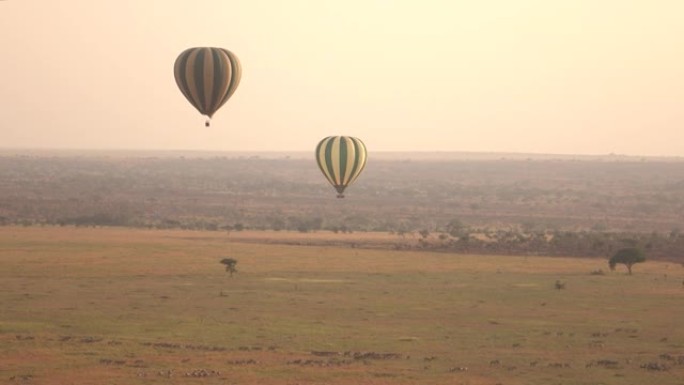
[
  {"x": 135, "y": 306},
  {"x": 403, "y": 193}
]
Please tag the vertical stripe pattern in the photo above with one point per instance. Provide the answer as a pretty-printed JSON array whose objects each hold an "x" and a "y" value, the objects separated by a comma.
[
  {"x": 207, "y": 77},
  {"x": 341, "y": 159}
]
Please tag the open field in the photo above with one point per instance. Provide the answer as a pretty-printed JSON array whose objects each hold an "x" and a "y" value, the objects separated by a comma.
[{"x": 131, "y": 306}]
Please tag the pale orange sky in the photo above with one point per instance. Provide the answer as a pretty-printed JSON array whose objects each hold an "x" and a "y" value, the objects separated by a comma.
[{"x": 540, "y": 76}]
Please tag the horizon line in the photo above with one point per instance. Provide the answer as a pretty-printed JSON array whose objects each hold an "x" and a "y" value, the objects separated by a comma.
[{"x": 422, "y": 154}]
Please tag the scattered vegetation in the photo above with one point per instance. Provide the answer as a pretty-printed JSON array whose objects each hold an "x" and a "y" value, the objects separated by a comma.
[{"x": 505, "y": 206}]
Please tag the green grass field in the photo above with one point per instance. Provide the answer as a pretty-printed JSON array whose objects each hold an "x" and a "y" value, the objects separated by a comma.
[{"x": 123, "y": 306}]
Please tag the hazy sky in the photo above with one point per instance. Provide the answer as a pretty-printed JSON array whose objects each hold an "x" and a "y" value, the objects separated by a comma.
[{"x": 542, "y": 76}]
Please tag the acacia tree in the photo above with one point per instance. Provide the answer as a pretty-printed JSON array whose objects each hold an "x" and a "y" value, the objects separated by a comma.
[
  {"x": 628, "y": 257},
  {"x": 230, "y": 265}
]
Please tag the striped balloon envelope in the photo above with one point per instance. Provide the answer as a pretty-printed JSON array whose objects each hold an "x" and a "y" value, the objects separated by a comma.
[
  {"x": 208, "y": 77},
  {"x": 341, "y": 159}
]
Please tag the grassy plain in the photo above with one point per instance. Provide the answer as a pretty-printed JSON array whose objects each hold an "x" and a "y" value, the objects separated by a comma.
[{"x": 126, "y": 306}]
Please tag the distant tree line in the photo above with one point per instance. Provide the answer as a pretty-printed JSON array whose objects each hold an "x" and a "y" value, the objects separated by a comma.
[
  {"x": 584, "y": 208},
  {"x": 586, "y": 243},
  {"x": 453, "y": 237}
]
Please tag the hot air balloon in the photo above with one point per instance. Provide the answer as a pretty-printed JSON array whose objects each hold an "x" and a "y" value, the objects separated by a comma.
[
  {"x": 208, "y": 77},
  {"x": 341, "y": 159}
]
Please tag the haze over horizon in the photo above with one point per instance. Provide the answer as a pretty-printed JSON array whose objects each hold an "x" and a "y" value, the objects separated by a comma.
[{"x": 496, "y": 76}]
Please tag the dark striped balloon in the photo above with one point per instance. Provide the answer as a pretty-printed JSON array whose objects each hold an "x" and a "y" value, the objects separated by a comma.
[
  {"x": 208, "y": 77},
  {"x": 341, "y": 159}
]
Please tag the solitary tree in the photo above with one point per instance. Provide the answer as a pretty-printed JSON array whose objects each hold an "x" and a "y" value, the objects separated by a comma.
[
  {"x": 230, "y": 265},
  {"x": 628, "y": 257}
]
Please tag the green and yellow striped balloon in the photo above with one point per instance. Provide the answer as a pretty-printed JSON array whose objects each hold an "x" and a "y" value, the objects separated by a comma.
[
  {"x": 208, "y": 77},
  {"x": 341, "y": 159}
]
